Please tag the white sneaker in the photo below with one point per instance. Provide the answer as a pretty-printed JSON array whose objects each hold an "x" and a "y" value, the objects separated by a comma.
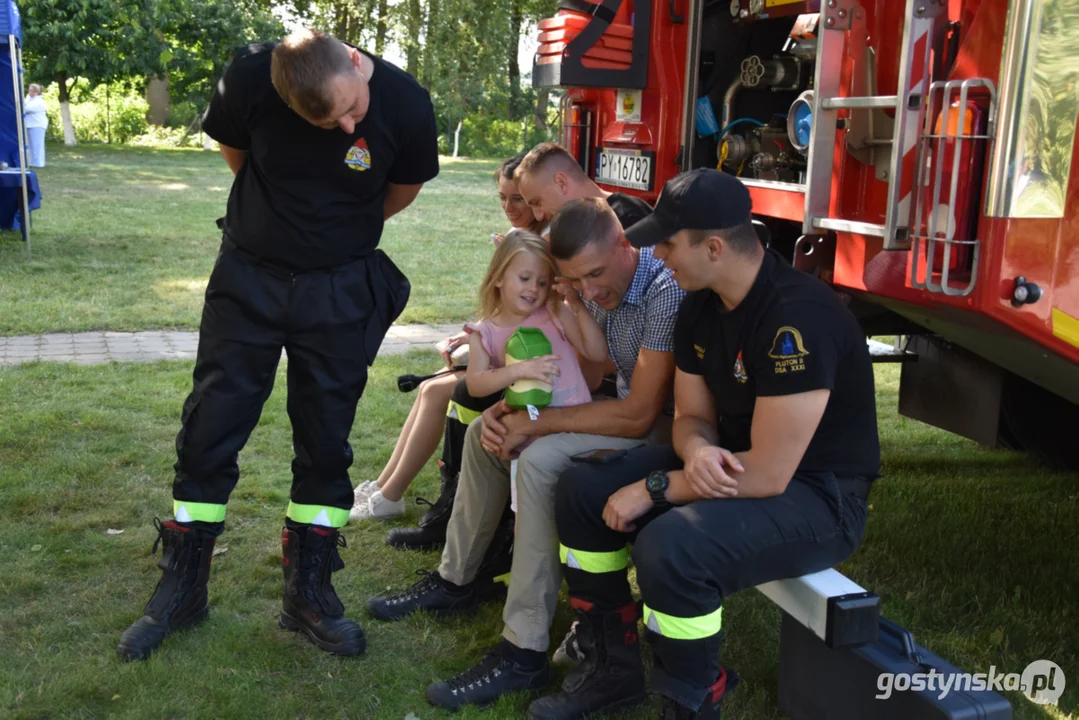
[
  {"x": 381, "y": 508},
  {"x": 360, "y": 507}
]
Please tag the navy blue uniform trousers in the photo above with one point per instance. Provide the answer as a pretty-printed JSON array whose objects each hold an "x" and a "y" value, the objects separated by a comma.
[
  {"x": 689, "y": 558},
  {"x": 330, "y": 323}
]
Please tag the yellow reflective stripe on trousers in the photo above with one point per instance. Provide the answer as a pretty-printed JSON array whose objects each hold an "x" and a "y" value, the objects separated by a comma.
[
  {"x": 317, "y": 515},
  {"x": 594, "y": 562},
  {"x": 463, "y": 414},
  {"x": 677, "y": 628},
  {"x": 185, "y": 511}
]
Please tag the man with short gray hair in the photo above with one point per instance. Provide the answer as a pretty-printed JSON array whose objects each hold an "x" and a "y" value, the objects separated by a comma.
[{"x": 635, "y": 301}]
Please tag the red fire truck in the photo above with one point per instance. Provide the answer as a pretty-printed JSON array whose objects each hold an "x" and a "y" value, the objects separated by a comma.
[{"x": 916, "y": 154}]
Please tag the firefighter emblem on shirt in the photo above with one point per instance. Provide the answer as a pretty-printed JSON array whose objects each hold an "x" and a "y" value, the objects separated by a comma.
[
  {"x": 788, "y": 351},
  {"x": 740, "y": 369},
  {"x": 358, "y": 156}
]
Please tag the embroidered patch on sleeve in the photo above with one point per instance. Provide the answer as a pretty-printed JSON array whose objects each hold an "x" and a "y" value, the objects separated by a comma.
[{"x": 788, "y": 351}]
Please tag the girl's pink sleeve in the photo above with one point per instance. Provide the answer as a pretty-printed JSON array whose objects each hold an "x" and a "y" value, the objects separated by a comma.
[{"x": 484, "y": 331}]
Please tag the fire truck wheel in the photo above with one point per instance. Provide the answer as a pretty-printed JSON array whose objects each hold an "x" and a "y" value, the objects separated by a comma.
[{"x": 1038, "y": 422}]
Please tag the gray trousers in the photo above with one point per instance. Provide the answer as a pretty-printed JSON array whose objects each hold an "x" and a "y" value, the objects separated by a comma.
[{"x": 482, "y": 493}]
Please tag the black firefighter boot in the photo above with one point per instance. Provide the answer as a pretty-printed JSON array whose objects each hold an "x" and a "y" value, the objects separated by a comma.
[
  {"x": 310, "y": 603},
  {"x": 610, "y": 677},
  {"x": 430, "y": 532},
  {"x": 180, "y": 599},
  {"x": 710, "y": 709}
]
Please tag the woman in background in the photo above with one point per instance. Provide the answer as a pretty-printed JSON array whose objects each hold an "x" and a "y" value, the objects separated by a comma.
[{"x": 36, "y": 123}]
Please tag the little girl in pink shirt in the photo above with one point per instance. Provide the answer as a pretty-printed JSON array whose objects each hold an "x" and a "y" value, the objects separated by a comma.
[{"x": 515, "y": 293}]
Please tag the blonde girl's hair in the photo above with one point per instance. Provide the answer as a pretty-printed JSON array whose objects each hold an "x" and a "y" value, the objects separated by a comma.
[{"x": 516, "y": 241}]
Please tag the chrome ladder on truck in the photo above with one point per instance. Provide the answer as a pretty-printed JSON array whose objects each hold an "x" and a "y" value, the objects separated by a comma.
[{"x": 917, "y": 154}]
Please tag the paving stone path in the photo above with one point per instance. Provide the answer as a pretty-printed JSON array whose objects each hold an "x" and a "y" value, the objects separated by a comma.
[{"x": 87, "y": 348}]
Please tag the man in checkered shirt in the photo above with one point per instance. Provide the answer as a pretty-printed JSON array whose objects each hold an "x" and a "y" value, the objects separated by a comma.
[{"x": 636, "y": 300}]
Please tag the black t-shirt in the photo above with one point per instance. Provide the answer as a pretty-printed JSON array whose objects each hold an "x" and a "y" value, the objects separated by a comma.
[
  {"x": 628, "y": 208},
  {"x": 307, "y": 197},
  {"x": 791, "y": 334}
]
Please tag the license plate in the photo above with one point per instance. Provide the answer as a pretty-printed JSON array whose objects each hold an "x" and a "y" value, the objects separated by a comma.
[{"x": 633, "y": 169}]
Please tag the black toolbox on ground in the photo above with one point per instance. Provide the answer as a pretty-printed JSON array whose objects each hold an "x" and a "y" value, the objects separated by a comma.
[{"x": 818, "y": 683}]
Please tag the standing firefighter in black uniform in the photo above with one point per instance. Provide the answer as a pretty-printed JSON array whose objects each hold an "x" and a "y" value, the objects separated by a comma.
[
  {"x": 326, "y": 143},
  {"x": 775, "y": 448}
]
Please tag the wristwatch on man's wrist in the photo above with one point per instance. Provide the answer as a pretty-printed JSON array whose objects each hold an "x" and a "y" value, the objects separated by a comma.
[{"x": 657, "y": 483}]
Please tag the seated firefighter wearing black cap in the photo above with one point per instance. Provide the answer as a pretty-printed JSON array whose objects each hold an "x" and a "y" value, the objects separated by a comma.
[{"x": 775, "y": 447}]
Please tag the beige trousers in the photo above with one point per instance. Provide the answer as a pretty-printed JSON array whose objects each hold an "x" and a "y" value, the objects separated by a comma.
[{"x": 482, "y": 493}]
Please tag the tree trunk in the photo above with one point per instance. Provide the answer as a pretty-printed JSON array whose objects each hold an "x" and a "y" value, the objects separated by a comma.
[
  {"x": 516, "y": 18},
  {"x": 380, "y": 28},
  {"x": 360, "y": 23},
  {"x": 157, "y": 97},
  {"x": 65, "y": 110},
  {"x": 414, "y": 51},
  {"x": 341, "y": 15},
  {"x": 539, "y": 112},
  {"x": 431, "y": 39},
  {"x": 457, "y": 137}
]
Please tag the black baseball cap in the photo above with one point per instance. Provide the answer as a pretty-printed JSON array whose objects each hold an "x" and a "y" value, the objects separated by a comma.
[{"x": 701, "y": 199}]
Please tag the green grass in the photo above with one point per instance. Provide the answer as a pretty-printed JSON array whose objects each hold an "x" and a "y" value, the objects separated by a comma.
[
  {"x": 126, "y": 238},
  {"x": 975, "y": 551}
]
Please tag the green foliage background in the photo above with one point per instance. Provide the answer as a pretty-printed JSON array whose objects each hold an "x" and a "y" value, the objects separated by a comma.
[{"x": 99, "y": 55}]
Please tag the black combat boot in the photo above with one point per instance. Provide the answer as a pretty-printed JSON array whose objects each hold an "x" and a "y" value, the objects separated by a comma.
[
  {"x": 505, "y": 669},
  {"x": 180, "y": 599},
  {"x": 440, "y": 597},
  {"x": 310, "y": 603},
  {"x": 430, "y": 594},
  {"x": 710, "y": 709},
  {"x": 430, "y": 532},
  {"x": 611, "y": 675}
]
